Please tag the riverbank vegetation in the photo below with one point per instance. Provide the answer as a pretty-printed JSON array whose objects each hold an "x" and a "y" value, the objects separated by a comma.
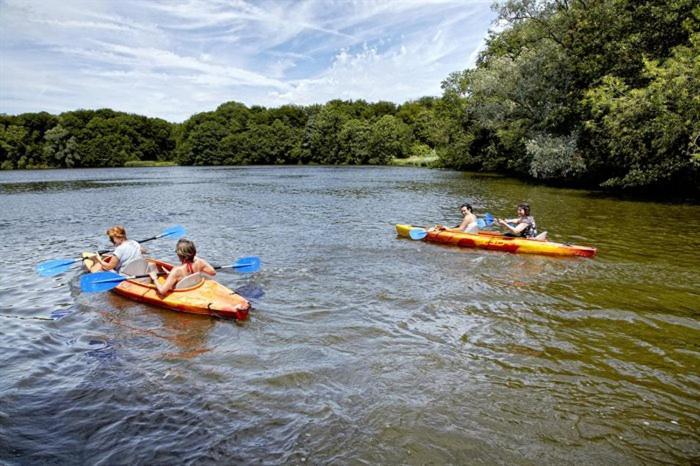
[{"x": 570, "y": 92}]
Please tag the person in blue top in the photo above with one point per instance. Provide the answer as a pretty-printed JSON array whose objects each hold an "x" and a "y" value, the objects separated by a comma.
[{"x": 523, "y": 226}]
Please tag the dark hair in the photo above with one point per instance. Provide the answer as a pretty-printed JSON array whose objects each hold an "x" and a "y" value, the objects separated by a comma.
[
  {"x": 186, "y": 250},
  {"x": 468, "y": 206},
  {"x": 525, "y": 206}
]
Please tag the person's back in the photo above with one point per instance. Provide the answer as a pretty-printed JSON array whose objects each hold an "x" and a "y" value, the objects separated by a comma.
[
  {"x": 469, "y": 222},
  {"x": 191, "y": 268},
  {"x": 127, "y": 252},
  {"x": 190, "y": 265}
]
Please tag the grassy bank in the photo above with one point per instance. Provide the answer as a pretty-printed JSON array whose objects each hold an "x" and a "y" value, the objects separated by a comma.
[
  {"x": 149, "y": 163},
  {"x": 417, "y": 161}
]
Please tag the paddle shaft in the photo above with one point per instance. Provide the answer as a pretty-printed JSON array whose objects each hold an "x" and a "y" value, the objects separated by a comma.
[
  {"x": 487, "y": 217},
  {"x": 134, "y": 277},
  {"x": 105, "y": 251}
]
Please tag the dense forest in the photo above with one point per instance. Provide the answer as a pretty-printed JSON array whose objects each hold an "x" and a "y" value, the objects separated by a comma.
[{"x": 595, "y": 93}]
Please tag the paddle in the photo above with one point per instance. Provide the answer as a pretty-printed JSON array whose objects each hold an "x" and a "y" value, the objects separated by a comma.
[
  {"x": 53, "y": 267},
  {"x": 487, "y": 221},
  {"x": 105, "y": 281},
  {"x": 420, "y": 233}
]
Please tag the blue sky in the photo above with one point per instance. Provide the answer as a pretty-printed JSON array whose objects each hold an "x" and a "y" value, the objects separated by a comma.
[{"x": 172, "y": 59}]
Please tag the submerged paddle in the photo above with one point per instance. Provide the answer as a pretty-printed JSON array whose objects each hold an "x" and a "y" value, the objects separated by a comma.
[
  {"x": 105, "y": 281},
  {"x": 420, "y": 233},
  {"x": 53, "y": 267}
]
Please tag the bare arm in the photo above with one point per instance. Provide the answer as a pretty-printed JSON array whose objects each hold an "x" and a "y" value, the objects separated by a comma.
[
  {"x": 466, "y": 221},
  {"x": 517, "y": 229},
  {"x": 170, "y": 282},
  {"x": 108, "y": 265},
  {"x": 206, "y": 267}
]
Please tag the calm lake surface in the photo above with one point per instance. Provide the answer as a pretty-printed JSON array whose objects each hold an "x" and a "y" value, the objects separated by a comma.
[{"x": 363, "y": 348}]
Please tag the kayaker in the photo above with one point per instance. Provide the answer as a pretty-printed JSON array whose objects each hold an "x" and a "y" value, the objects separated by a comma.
[
  {"x": 469, "y": 221},
  {"x": 126, "y": 251},
  {"x": 523, "y": 226},
  {"x": 191, "y": 264}
]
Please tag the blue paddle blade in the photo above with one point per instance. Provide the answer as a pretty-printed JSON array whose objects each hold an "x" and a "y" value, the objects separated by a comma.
[
  {"x": 176, "y": 232},
  {"x": 247, "y": 264},
  {"x": 54, "y": 267},
  {"x": 488, "y": 218},
  {"x": 417, "y": 233},
  {"x": 100, "y": 281}
]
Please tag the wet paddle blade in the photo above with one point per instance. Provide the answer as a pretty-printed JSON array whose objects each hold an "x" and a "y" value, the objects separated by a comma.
[
  {"x": 176, "y": 232},
  {"x": 54, "y": 267},
  {"x": 417, "y": 233},
  {"x": 100, "y": 281},
  {"x": 247, "y": 264}
]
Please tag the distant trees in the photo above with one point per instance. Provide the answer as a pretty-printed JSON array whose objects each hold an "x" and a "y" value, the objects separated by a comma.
[
  {"x": 84, "y": 138},
  {"x": 585, "y": 93},
  {"x": 339, "y": 132}
]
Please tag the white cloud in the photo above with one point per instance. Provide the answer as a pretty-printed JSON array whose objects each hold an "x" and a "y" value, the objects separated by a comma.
[{"x": 175, "y": 58}]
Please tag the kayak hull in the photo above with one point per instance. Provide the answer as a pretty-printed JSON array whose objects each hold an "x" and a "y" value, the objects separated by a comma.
[
  {"x": 497, "y": 242},
  {"x": 207, "y": 297}
]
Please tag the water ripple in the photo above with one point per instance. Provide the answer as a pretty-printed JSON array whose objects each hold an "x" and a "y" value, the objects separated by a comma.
[{"x": 362, "y": 347}]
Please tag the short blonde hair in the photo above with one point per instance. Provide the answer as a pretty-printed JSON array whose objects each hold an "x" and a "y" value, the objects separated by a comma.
[{"x": 116, "y": 231}]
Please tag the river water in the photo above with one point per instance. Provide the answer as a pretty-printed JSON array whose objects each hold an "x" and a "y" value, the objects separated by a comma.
[{"x": 362, "y": 348}]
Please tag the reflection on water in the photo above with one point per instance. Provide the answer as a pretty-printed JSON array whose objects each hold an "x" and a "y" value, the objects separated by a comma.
[
  {"x": 362, "y": 347},
  {"x": 38, "y": 187}
]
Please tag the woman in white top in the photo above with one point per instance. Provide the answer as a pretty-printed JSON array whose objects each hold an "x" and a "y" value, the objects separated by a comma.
[
  {"x": 127, "y": 250},
  {"x": 469, "y": 222}
]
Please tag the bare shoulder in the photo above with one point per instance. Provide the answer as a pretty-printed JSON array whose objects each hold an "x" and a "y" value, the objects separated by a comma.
[{"x": 178, "y": 272}]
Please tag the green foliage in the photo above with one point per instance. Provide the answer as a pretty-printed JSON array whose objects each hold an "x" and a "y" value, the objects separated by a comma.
[
  {"x": 355, "y": 139},
  {"x": 61, "y": 147},
  {"x": 201, "y": 144},
  {"x": 389, "y": 138},
  {"x": 83, "y": 138},
  {"x": 600, "y": 93},
  {"x": 321, "y": 135},
  {"x": 149, "y": 163},
  {"x": 651, "y": 133},
  {"x": 12, "y": 146},
  {"x": 555, "y": 157}
]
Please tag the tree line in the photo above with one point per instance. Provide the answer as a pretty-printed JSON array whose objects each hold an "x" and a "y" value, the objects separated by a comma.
[{"x": 595, "y": 93}]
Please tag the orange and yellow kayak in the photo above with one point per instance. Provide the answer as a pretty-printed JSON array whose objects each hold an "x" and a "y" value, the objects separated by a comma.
[
  {"x": 495, "y": 241},
  {"x": 207, "y": 297}
]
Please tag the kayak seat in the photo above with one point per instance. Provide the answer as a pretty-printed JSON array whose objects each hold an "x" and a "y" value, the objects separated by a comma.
[
  {"x": 189, "y": 281},
  {"x": 138, "y": 267}
]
